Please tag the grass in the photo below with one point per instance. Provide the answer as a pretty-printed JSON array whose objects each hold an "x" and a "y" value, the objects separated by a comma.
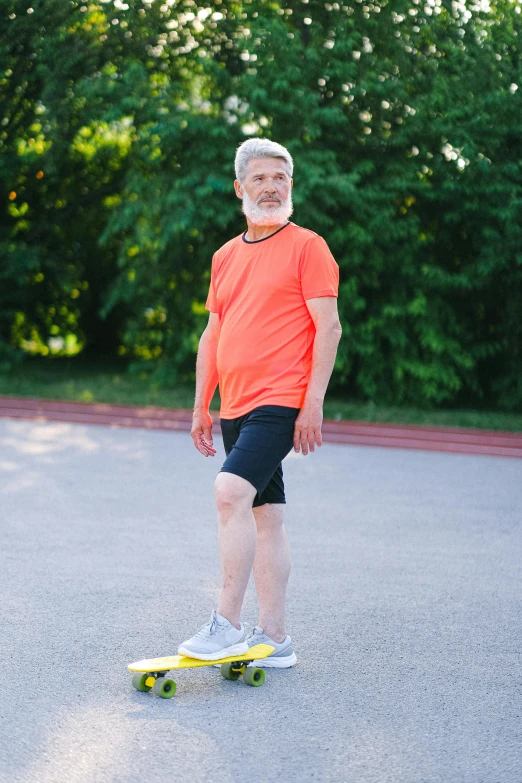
[{"x": 84, "y": 381}]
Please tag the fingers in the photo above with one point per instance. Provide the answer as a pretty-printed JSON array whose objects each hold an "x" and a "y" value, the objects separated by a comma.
[
  {"x": 203, "y": 446},
  {"x": 304, "y": 442},
  {"x": 203, "y": 441},
  {"x": 305, "y": 439}
]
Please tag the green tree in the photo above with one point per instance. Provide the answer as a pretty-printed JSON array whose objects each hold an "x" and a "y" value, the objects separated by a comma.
[{"x": 118, "y": 139}]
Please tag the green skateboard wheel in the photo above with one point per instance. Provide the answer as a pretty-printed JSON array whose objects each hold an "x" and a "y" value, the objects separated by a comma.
[
  {"x": 229, "y": 673},
  {"x": 164, "y": 688},
  {"x": 139, "y": 682},
  {"x": 254, "y": 677}
]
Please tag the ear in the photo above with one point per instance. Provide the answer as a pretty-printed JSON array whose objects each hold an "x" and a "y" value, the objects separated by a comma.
[{"x": 238, "y": 188}]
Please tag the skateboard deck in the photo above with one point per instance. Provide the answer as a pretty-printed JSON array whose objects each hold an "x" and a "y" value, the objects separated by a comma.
[{"x": 149, "y": 674}]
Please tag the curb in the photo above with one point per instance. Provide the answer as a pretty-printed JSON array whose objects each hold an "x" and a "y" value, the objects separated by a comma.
[{"x": 454, "y": 440}]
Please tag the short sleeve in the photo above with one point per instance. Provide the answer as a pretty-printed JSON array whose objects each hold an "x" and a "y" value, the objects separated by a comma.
[
  {"x": 318, "y": 270},
  {"x": 211, "y": 304}
]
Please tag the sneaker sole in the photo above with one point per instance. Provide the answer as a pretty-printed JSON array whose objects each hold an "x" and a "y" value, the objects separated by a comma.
[
  {"x": 227, "y": 652},
  {"x": 275, "y": 663},
  {"x": 271, "y": 663}
]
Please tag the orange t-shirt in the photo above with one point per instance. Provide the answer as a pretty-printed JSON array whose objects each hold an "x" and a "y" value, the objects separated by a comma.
[{"x": 259, "y": 289}]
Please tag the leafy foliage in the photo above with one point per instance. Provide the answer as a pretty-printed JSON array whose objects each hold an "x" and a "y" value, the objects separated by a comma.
[{"x": 404, "y": 120}]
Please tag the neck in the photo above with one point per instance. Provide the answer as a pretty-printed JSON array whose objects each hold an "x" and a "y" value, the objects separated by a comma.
[{"x": 261, "y": 232}]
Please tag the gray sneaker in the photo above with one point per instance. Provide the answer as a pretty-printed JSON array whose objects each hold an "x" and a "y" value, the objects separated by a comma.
[
  {"x": 283, "y": 656},
  {"x": 217, "y": 639}
]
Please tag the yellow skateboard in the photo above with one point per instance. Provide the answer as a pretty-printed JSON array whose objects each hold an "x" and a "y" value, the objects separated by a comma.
[{"x": 149, "y": 674}]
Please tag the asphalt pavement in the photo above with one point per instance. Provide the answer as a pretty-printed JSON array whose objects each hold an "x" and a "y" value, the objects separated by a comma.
[{"x": 404, "y": 608}]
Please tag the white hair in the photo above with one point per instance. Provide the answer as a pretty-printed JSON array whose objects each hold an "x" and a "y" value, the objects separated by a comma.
[{"x": 260, "y": 148}]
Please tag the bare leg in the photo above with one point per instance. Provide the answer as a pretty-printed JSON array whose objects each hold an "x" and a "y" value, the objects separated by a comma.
[
  {"x": 236, "y": 541},
  {"x": 271, "y": 568}
]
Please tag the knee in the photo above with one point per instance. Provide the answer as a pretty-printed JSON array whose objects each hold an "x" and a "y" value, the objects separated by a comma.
[
  {"x": 269, "y": 518},
  {"x": 232, "y": 492}
]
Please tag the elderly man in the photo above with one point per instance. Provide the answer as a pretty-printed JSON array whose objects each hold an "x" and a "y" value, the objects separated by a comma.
[{"x": 270, "y": 343}]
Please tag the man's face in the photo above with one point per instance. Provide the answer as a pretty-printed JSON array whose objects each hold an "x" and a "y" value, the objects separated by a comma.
[{"x": 266, "y": 192}]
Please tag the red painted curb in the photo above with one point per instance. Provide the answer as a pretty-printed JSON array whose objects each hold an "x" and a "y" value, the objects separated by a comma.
[{"x": 453, "y": 440}]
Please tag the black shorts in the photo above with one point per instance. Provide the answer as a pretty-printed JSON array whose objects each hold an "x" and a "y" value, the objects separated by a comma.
[{"x": 255, "y": 445}]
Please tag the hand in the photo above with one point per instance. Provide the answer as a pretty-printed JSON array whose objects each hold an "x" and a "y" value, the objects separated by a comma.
[
  {"x": 307, "y": 428},
  {"x": 201, "y": 433}
]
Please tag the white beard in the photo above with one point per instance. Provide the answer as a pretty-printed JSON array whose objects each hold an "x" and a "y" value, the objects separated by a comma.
[{"x": 266, "y": 216}]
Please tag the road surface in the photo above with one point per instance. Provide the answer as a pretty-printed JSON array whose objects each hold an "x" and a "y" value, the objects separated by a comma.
[{"x": 404, "y": 608}]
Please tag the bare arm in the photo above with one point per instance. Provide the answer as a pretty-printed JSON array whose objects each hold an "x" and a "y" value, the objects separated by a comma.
[
  {"x": 206, "y": 382},
  {"x": 328, "y": 330},
  {"x": 325, "y": 350},
  {"x": 206, "y": 364}
]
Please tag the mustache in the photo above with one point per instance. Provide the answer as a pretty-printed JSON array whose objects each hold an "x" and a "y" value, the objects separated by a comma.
[{"x": 269, "y": 198}]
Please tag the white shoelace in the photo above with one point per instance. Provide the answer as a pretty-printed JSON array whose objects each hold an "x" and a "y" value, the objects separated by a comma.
[{"x": 209, "y": 628}]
